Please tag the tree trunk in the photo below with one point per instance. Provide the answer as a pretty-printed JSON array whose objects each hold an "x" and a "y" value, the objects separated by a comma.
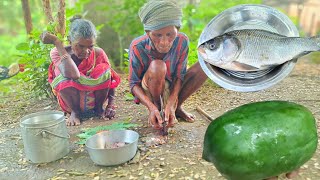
[
  {"x": 61, "y": 27},
  {"x": 47, "y": 10},
  {"x": 191, "y": 2},
  {"x": 27, "y": 15}
]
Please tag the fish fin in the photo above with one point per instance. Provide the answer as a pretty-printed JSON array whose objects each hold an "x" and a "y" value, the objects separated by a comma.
[
  {"x": 245, "y": 67},
  {"x": 316, "y": 40},
  {"x": 303, "y": 54}
]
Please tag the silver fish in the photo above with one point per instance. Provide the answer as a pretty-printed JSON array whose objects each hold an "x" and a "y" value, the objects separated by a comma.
[{"x": 254, "y": 49}]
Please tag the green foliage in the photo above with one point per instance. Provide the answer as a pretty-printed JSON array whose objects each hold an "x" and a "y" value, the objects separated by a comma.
[
  {"x": 9, "y": 11},
  {"x": 78, "y": 9},
  {"x": 123, "y": 19},
  {"x": 315, "y": 57},
  {"x": 129, "y": 97},
  {"x": 87, "y": 133},
  {"x": 35, "y": 55},
  {"x": 8, "y": 55}
]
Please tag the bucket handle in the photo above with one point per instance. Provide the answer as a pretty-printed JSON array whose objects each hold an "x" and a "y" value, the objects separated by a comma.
[{"x": 43, "y": 133}]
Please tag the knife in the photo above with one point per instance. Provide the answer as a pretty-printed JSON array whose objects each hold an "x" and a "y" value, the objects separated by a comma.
[{"x": 164, "y": 130}]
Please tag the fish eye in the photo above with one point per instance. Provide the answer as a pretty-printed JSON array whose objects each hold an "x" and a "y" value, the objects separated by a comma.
[{"x": 212, "y": 46}]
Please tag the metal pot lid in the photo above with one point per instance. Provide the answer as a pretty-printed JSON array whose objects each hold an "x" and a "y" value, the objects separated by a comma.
[{"x": 248, "y": 16}]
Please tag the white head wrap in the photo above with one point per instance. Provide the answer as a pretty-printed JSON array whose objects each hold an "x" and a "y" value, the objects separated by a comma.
[{"x": 157, "y": 14}]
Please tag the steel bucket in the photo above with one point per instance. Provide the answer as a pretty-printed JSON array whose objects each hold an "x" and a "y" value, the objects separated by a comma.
[
  {"x": 45, "y": 136},
  {"x": 248, "y": 16}
]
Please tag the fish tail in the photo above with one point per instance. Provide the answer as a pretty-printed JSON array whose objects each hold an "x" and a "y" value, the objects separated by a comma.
[{"x": 317, "y": 40}]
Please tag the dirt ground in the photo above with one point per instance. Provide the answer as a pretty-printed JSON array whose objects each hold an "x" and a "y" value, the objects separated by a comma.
[{"x": 180, "y": 158}]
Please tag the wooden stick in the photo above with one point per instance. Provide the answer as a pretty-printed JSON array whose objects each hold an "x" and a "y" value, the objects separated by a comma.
[
  {"x": 201, "y": 111},
  {"x": 145, "y": 156}
]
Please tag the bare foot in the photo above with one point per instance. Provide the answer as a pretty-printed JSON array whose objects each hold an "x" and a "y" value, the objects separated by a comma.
[
  {"x": 292, "y": 174},
  {"x": 180, "y": 112},
  {"x": 99, "y": 112},
  {"x": 73, "y": 120}
]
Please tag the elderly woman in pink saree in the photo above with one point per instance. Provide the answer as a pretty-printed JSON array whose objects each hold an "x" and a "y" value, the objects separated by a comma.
[{"x": 80, "y": 74}]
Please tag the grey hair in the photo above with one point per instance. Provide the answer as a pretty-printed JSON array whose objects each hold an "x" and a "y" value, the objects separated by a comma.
[{"x": 82, "y": 28}]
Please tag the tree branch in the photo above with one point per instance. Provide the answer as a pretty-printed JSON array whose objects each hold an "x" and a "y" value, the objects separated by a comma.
[
  {"x": 27, "y": 15},
  {"x": 61, "y": 27},
  {"x": 47, "y": 10}
]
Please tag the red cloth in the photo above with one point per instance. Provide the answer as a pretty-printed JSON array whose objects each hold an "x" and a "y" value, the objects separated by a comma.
[{"x": 96, "y": 69}]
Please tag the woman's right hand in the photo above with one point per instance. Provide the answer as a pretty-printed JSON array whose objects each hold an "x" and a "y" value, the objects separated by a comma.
[{"x": 48, "y": 38}]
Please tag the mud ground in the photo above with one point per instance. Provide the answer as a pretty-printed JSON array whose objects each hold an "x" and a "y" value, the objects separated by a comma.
[{"x": 180, "y": 158}]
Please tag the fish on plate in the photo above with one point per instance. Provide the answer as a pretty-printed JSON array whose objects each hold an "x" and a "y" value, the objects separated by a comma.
[{"x": 255, "y": 49}]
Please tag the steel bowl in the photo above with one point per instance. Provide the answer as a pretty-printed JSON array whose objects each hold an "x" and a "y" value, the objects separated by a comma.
[
  {"x": 248, "y": 16},
  {"x": 101, "y": 153}
]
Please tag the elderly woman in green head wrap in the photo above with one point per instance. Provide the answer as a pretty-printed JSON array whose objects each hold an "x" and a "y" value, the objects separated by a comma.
[{"x": 158, "y": 64}]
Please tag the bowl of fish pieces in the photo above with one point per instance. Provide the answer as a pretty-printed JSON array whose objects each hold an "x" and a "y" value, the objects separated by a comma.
[
  {"x": 114, "y": 147},
  {"x": 239, "y": 65}
]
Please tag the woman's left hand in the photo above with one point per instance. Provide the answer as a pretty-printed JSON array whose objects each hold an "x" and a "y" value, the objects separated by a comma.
[{"x": 110, "y": 111}]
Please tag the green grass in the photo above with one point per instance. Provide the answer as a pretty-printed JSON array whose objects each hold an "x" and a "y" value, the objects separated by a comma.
[{"x": 315, "y": 57}]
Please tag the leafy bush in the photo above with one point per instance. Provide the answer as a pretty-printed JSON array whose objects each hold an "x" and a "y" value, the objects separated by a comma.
[
  {"x": 9, "y": 55},
  {"x": 35, "y": 56}
]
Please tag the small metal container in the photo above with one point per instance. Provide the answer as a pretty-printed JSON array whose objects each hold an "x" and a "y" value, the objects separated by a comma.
[
  {"x": 101, "y": 153},
  {"x": 248, "y": 16}
]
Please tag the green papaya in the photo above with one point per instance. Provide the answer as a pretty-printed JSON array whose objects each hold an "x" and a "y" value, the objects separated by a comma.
[{"x": 260, "y": 140}]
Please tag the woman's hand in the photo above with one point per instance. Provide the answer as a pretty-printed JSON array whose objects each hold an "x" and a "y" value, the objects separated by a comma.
[
  {"x": 110, "y": 111},
  {"x": 48, "y": 38}
]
